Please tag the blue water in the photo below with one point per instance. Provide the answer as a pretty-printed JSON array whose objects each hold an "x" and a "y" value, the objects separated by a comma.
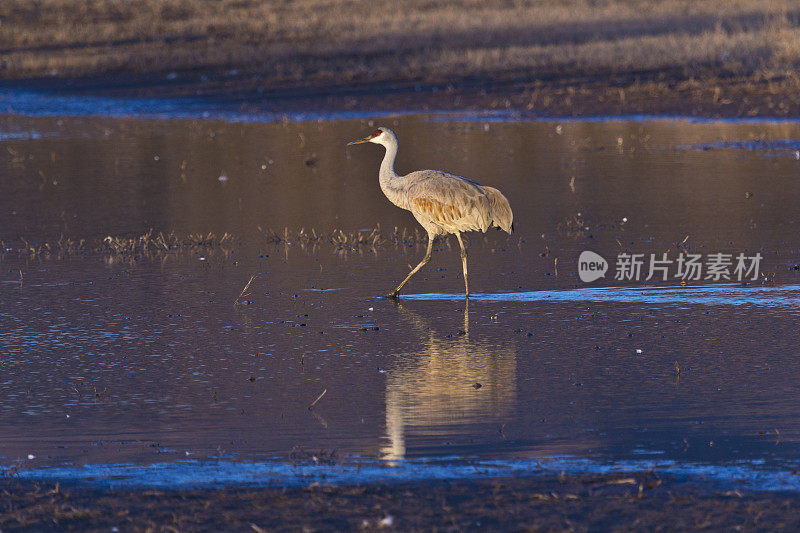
[
  {"x": 784, "y": 297},
  {"x": 216, "y": 473},
  {"x": 42, "y": 104},
  {"x": 778, "y": 147},
  {"x": 37, "y": 104}
]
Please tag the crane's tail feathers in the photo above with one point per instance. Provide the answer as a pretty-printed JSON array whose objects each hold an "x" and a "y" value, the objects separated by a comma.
[{"x": 502, "y": 217}]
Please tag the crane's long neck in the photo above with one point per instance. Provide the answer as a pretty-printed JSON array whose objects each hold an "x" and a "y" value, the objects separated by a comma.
[{"x": 391, "y": 183}]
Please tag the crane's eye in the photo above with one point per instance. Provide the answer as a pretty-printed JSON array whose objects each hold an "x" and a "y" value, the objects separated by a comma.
[{"x": 377, "y": 132}]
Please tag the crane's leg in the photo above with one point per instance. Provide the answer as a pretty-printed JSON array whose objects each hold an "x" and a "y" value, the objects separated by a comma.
[
  {"x": 422, "y": 263},
  {"x": 464, "y": 263}
]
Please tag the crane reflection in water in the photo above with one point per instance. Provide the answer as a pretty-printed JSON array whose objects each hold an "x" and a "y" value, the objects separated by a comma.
[{"x": 450, "y": 383}]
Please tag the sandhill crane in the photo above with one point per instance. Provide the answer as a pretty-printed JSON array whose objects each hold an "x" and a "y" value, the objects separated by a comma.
[{"x": 442, "y": 202}]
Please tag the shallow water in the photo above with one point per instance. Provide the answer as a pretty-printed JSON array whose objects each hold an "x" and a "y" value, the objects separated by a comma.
[{"x": 139, "y": 359}]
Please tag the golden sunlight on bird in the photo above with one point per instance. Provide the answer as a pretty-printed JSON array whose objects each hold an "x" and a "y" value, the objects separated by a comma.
[{"x": 442, "y": 202}]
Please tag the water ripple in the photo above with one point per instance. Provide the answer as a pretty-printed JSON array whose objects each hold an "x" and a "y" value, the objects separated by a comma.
[{"x": 782, "y": 296}]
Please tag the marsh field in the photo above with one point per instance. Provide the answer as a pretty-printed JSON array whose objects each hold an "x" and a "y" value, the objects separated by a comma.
[
  {"x": 192, "y": 261},
  {"x": 573, "y": 57}
]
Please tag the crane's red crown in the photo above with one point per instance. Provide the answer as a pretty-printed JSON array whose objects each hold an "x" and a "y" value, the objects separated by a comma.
[{"x": 376, "y": 133}]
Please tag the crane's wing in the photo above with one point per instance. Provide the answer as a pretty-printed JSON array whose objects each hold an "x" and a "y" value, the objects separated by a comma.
[
  {"x": 451, "y": 202},
  {"x": 502, "y": 217}
]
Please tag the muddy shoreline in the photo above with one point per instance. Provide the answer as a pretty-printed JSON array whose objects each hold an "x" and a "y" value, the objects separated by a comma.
[
  {"x": 641, "y": 502},
  {"x": 552, "y": 58}
]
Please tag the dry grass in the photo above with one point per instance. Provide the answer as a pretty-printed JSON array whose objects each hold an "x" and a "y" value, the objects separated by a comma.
[
  {"x": 287, "y": 42},
  {"x": 640, "y": 502}
]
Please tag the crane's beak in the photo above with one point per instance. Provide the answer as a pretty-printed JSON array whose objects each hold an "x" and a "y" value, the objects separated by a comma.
[{"x": 364, "y": 140}]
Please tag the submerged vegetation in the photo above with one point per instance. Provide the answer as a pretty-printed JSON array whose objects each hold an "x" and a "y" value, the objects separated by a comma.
[
  {"x": 342, "y": 240},
  {"x": 150, "y": 244}
]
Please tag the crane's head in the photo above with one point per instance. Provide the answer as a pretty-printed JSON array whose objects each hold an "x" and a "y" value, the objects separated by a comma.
[{"x": 379, "y": 136}]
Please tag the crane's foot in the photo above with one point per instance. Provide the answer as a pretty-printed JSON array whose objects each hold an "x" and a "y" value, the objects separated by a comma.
[{"x": 393, "y": 295}]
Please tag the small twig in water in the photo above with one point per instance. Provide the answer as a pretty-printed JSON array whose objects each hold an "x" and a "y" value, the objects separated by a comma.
[
  {"x": 318, "y": 399},
  {"x": 241, "y": 294}
]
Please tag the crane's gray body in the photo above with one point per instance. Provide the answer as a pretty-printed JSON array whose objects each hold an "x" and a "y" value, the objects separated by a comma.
[{"x": 441, "y": 202}]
